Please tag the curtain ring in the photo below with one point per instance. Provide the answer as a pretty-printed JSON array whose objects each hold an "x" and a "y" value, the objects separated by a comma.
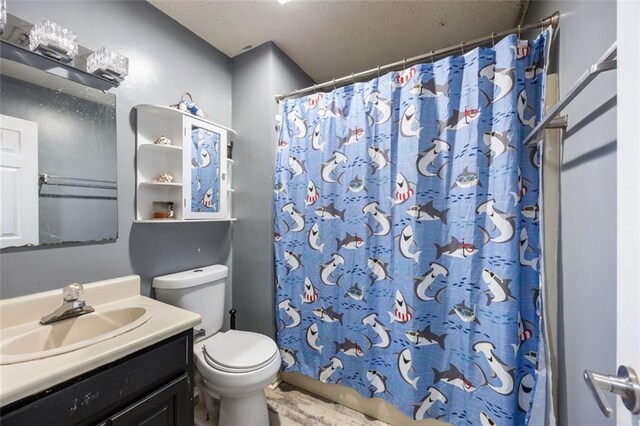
[
  {"x": 462, "y": 47},
  {"x": 353, "y": 79},
  {"x": 432, "y": 53},
  {"x": 315, "y": 89},
  {"x": 541, "y": 26},
  {"x": 404, "y": 64},
  {"x": 519, "y": 31},
  {"x": 493, "y": 39},
  {"x": 334, "y": 84},
  {"x": 378, "y": 71}
]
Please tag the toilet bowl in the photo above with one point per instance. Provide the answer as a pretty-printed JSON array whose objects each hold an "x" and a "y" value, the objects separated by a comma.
[
  {"x": 232, "y": 366},
  {"x": 235, "y": 367}
]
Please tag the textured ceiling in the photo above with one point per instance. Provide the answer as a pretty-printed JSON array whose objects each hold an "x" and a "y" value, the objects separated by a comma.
[{"x": 330, "y": 39}]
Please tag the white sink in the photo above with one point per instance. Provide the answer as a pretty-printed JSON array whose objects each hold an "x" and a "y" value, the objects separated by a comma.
[{"x": 30, "y": 341}]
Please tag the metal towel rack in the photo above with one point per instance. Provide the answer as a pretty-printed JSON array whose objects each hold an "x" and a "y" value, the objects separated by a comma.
[
  {"x": 47, "y": 179},
  {"x": 605, "y": 63}
]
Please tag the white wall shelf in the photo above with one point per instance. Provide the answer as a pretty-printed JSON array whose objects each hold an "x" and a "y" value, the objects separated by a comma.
[
  {"x": 165, "y": 221},
  {"x": 196, "y": 158},
  {"x": 159, "y": 147},
  {"x": 161, "y": 184}
]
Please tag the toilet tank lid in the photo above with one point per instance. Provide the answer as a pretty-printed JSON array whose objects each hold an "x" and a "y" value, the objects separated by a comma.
[{"x": 192, "y": 278}]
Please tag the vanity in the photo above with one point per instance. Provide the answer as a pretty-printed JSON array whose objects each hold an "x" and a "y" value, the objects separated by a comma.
[{"x": 129, "y": 362}]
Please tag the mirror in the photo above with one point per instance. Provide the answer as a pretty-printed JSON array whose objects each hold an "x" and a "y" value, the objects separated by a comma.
[
  {"x": 205, "y": 170},
  {"x": 57, "y": 159}
]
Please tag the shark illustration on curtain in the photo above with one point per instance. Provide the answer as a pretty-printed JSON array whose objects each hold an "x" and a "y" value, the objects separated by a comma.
[
  {"x": 407, "y": 235},
  {"x": 204, "y": 170}
]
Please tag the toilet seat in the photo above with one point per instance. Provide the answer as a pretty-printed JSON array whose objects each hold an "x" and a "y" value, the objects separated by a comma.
[{"x": 239, "y": 351}]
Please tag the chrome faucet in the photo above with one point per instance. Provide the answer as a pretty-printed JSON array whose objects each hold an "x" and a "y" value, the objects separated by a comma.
[{"x": 73, "y": 305}]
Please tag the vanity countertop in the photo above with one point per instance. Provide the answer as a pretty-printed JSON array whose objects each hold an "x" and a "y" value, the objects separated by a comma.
[{"x": 22, "y": 379}]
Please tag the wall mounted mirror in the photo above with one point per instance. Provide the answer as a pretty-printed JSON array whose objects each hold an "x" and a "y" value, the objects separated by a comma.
[{"x": 57, "y": 159}]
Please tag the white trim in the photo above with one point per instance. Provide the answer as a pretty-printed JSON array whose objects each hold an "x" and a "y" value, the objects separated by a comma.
[{"x": 628, "y": 191}]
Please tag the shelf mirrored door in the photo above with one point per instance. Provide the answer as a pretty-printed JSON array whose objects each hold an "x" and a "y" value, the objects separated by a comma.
[{"x": 205, "y": 152}]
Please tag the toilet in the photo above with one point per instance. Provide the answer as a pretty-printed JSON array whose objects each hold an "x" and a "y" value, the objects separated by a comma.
[{"x": 232, "y": 366}]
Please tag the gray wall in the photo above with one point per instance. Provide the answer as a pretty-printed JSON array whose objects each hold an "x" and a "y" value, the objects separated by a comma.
[
  {"x": 257, "y": 75},
  {"x": 165, "y": 60},
  {"x": 587, "y": 261}
]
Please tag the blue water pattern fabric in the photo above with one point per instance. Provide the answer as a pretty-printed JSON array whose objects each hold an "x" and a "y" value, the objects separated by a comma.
[
  {"x": 407, "y": 235},
  {"x": 205, "y": 166}
]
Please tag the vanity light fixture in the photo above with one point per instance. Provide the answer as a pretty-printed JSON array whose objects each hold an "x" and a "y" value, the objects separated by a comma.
[
  {"x": 108, "y": 64},
  {"x": 3, "y": 15},
  {"x": 283, "y": 2},
  {"x": 54, "y": 41}
]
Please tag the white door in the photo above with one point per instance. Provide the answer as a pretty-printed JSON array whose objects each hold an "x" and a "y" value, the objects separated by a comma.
[
  {"x": 628, "y": 269},
  {"x": 623, "y": 379},
  {"x": 18, "y": 182}
]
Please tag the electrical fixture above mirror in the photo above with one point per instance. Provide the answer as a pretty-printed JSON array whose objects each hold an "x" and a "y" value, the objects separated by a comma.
[{"x": 54, "y": 49}]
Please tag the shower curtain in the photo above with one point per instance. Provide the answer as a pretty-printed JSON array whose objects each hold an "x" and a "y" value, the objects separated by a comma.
[{"x": 407, "y": 235}]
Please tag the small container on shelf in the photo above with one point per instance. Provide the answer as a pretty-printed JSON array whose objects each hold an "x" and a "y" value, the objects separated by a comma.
[
  {"x": 162, "y": 140},
  {"x": 163, "y": 177},
  {"x": 163, "y": 210}
]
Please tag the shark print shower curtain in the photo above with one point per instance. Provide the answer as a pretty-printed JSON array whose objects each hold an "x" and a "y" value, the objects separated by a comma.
[{"x": 407, "y": 235}]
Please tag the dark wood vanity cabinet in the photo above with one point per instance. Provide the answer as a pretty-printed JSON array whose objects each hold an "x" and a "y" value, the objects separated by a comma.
[
  {"x": 150, "y": 387},
  {"x": 167, "y": 406}
]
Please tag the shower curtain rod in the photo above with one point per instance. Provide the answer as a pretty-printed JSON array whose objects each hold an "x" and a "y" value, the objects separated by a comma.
[{"x": 549, "y": 20}]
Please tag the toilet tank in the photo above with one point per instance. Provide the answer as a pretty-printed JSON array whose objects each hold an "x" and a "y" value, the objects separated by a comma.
[{"x": 200, "y": 290}]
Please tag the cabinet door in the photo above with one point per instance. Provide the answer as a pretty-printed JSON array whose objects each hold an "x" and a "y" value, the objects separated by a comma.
[
  {"x": 168, "y": 406},
  {"x": 204, "y": 170},
  {"x": 89, "y": 398}
]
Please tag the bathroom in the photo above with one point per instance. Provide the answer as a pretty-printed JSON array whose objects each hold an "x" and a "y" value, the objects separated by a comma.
[{"x": 228, "y": 61}]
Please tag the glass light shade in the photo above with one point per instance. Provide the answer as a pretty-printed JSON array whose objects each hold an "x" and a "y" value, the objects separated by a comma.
[
  {"x": 50, "y": 39},
  {"x": 3, "y": 15},
  {"x": 108, "y": 64}
]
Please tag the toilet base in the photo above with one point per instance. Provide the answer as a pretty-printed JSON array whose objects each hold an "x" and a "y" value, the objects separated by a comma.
[
  {"x": 248, "y": 410},
  {"x": 241, "y": 394}
]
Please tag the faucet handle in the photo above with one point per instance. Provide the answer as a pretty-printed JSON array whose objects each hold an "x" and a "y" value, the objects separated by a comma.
[{"x": 72, "y": 292}]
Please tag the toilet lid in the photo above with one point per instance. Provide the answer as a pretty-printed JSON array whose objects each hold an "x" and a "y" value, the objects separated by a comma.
[{"x": 239, "y": 351}]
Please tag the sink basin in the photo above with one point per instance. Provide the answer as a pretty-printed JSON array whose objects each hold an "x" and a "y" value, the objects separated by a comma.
[{"x": 31, "y": 341}]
